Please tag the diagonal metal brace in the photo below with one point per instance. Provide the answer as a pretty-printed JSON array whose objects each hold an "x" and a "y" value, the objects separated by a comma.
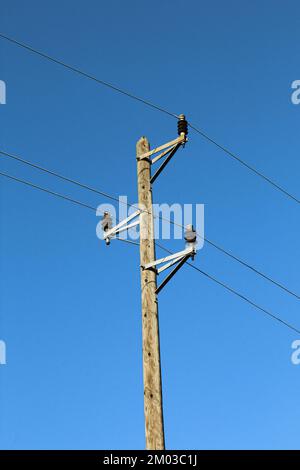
[
  {"x": 174, "y": 256},
  {"x": 177, "y": 258},
  {"x": 168, "y": 265},
  {"x": 169, "y": 145},
  {"x": 164, "y": 164},
  {"x": 172, "y": 273},
  {"x": 123, "y": 225},
  {"x": 167, "y": 150}
]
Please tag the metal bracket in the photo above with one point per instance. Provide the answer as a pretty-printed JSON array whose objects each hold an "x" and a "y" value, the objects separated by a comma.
[
  {"x": 167, "y": 150},
  {"x": 177, "y": 258},
  {"x": 121, "y": 226},
  {"x": 168, "y": 146},
  {"x": 165, "y": 162},
  {"x": 172, "y": 273}
]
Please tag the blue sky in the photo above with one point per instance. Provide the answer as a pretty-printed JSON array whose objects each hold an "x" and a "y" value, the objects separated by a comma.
[{"x": 70, "y": 306}]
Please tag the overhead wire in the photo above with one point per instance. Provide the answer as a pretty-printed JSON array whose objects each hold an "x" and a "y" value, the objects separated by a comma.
[
  {"x": 209, "y": 276},
  {"x": 154, "y": 106},
  {"x": 235, "y": 292},
  {"x": 59, "y": 195},
  {"x": 114, "y": 198}
]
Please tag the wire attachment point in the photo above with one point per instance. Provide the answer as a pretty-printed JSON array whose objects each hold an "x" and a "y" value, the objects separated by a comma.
[
  {"x": 177, "y": 259},
  {"x": 110, "y": 232}
]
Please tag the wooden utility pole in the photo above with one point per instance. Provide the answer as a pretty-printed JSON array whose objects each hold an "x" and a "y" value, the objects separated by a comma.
[
  {"x": 150, "y": 268},
  {"x": 154, "y": 424}
]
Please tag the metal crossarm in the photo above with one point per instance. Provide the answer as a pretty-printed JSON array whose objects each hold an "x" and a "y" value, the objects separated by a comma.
[
  {"x": 177, "y": 258},
  {"x": 168, "y": 146},
  {"x": 164, "y": 164},
  {"x": 168, "y": 265},
  {"x": 162, "y": 154},
  {"x": 172, "y": 273},
  {"x": 167, "y": 150},
  {"x": 174, "y": 256},
  {"x": 123, "y": 225}
]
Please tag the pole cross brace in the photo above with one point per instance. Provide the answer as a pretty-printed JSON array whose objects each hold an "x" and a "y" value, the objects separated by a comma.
[
  {"x": 177, "y": 258},
  {"x": 167, "y": 150},
  {"x": 169, "y": 146},
  {"x": 122, "y": 226}
]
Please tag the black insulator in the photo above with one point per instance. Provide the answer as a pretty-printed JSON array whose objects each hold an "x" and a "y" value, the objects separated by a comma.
[{"x": 182, "y": 126}]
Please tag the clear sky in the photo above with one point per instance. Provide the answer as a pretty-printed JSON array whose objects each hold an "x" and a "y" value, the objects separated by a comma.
[{"x": 70, "y": 306}]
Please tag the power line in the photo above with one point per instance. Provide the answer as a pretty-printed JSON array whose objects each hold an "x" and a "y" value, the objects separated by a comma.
[
  {"x": 53, "y": 193},
  {"x": 87, "y": 75},
  {"x": 61, "y": 196},
  {"x": 154, "y": 106},
  {"x": 238, "y": 159},
  {"x": 275, "y": 317},
  {"x": 57, "y": 175},
  {"x": 235, "y": 292},
  {"x": 230, "y": 289},
  {"x": 114, "y": 198},
  {"x": 255, "y": 270}
]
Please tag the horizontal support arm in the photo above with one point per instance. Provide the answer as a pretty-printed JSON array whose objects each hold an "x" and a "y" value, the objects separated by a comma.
[
  {"x": 162, "y": 154},
  {"x": 122, "y": 225},
  {"x": 178, "y": 140},
  {"x": 127, "y": 227},
  {"x": 168, "y": 265},
  {"x": 178, "y": 255}
]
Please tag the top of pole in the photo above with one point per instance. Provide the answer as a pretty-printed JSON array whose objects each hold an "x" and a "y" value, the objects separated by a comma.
[{"x": 142, "y": 145}]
